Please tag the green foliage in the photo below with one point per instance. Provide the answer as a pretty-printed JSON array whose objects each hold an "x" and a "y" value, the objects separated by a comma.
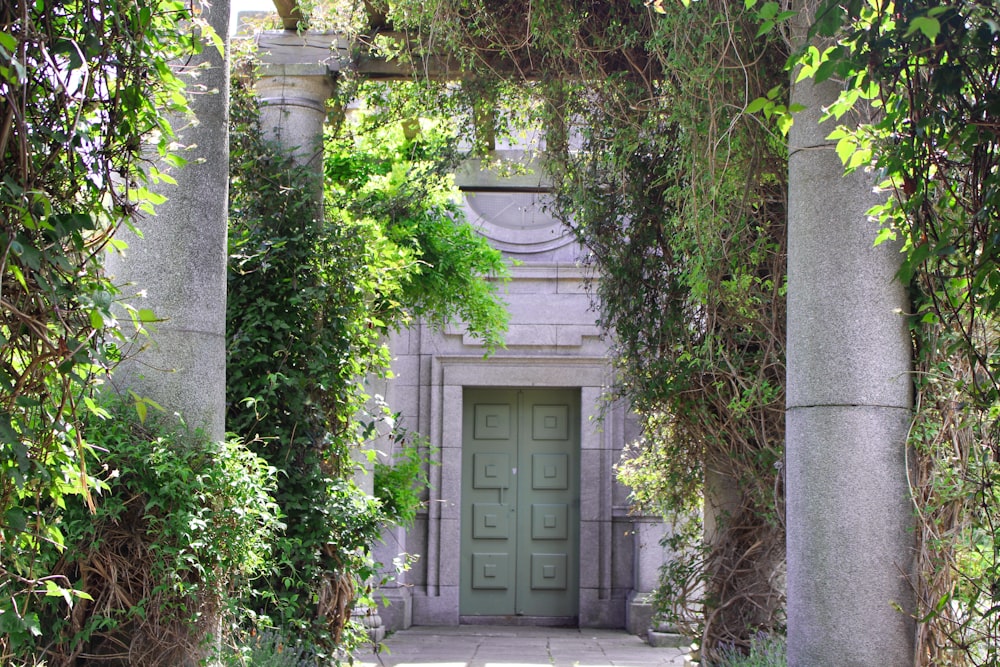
[
  {"x": 82, "y": 86},
  {"x": 179, "y": 523},
  {"x": 397, "y": 172},
  {"x": 652, "y": 469},
  {"x": 764, "y": 651},
  {"x": 300, "y": 321},
  {"x": 312, "y": 296},
  {"x": 401, "y": 476},
  {"x": 271, "y": 648},
  {"x": 678, "y": 195}
]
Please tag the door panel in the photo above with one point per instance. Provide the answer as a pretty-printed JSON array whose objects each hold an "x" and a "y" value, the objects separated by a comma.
[
  {"x": 489, "y": 470},
  {"x": 520, "y": 502}
]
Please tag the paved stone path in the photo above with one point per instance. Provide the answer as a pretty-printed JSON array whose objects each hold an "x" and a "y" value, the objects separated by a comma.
[{"x": 494, "y": 646}]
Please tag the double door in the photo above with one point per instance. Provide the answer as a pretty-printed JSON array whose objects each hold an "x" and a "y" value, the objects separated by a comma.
[{"x": 520, "y": 503}]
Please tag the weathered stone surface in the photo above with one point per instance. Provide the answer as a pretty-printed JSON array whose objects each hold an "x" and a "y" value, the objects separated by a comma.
[
  {"x": 846, "y": 311},
  {"x": 293, "y": 111},
  {"x": 850, "y": 544},
  {"x": 180, "y": 261},
  {"x": 849, "y": 514},
  {"x": 661, "y": 639}
]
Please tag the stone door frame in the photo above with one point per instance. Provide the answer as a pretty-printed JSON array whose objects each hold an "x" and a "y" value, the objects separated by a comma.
[{"x": 438, "y": 602}]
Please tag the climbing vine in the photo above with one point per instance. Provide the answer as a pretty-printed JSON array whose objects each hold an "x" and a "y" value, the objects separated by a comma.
[
  {"x": 678, "y": 195},
  {"x": 312, "y": 298},
  {"x": 83, "y": 85}
]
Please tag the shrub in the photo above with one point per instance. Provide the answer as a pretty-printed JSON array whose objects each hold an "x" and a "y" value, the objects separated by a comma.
[
  {"x": 179, "y": 522},
  {"x": 765, "y": 651},
  {"x": 271, "y": 648}
]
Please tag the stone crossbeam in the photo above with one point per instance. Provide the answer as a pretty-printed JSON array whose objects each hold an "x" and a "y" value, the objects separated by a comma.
[{"x": 310, "y": 53}]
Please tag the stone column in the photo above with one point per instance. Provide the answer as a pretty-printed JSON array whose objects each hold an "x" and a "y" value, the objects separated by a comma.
[
  {"x": 180, "y": 261},
  {"x": 650, "y": 555},
  {"x": 293, "y": 112},
  {"x": 849, "y": 514}
]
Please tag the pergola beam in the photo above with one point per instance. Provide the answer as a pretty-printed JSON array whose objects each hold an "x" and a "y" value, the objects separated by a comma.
[{"x": 336, "y": 54}]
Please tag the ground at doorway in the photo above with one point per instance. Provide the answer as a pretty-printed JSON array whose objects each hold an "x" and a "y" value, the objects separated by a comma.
[{"x": 493, "y": 646}]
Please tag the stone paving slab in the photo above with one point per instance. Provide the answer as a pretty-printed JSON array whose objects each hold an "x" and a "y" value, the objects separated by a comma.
[{"x": 496, "y": 646}]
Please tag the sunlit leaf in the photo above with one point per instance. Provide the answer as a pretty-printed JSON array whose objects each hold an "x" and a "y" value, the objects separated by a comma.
[{"x": 928, "y": 26}]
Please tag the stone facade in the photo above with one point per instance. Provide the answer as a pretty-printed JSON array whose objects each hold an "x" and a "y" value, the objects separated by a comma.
[{"x": 553, "y": 341}]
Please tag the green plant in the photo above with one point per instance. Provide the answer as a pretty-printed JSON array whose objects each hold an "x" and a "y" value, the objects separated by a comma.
[
  {"x": 311, "y": 300},
  {"x": 178, "y": 527},
  {"x": 301, "y": 298},
  {"x": 395, "y": 169},
  {"x": 84, "y": 86},
  {"x": 764, "y": 651},
  {"x": 677, "y": 194},
  {"x": 400, "y": 476},
  {"x": 271, "y": 648}
]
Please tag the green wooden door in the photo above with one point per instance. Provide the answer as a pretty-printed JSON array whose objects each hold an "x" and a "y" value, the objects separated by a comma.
[{"x": 520, "y": 502}]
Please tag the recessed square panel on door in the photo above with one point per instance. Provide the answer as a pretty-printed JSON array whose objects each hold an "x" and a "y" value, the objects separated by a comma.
[
  {"x": 550, "y": 471},
  {"x": 491, "y": 521},
  {"x": 548, "y": 572},
  {"x": 550, "y": 422},
  {"x": 492, "y": 422},
  {"x": 549, "y": 521},
  {"x": 490, "y": 571},
  {"x": 491, "y": 470}
]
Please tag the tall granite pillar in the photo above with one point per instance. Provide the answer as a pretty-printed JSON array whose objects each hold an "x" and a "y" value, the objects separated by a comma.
[
  {"x": 180, "y": 261},
  {"x": 849, "y": 515},
  {"x": 293, "y": 97}
]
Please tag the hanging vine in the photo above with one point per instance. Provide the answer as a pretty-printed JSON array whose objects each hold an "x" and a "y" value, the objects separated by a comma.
[{"x": 678, "y": 195}]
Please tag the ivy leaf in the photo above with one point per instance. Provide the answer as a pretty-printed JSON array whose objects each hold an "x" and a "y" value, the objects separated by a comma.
[
  {"x": 858, "y": 158},
  {"x": 784, "y": 122},
  {"x": 33, "y": 625},
  {"x": 8, "y": 42},
  {"x": 142, "y": 405},
  {"x": 54, "y": 590},
  {"x": 765, "y": 27},
  {"x": 769, "y": 10},
  {"x": 829, "y": 18},
  {"x": 757, "y": 105},
  {"x": 930, "y": 27}
]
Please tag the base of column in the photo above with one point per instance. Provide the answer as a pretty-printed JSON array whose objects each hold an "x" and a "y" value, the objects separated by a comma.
[
  {"x": 395, "y": 606},
  {"x": 371, "y": 620},
  {"x": 639, "y": 613}
]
